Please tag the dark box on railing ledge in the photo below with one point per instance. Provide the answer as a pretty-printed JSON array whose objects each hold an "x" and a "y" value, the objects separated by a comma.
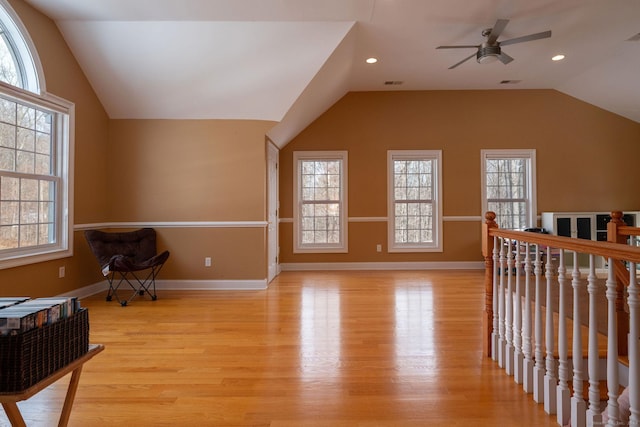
[{"x": 28, "y": 357}]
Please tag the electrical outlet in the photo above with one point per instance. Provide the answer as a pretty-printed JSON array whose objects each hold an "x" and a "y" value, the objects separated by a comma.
[
  {"x": 207, "y": 261},
  {"x": 61, "y": 272},
  {"x": 379, "y": 247}
]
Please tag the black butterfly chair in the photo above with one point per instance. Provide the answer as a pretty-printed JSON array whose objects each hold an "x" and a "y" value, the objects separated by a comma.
[{"x": 128, "y": 257}]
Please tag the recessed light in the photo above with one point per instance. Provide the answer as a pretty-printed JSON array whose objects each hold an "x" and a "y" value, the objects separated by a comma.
[
  {"x": 559, "y": 57},
  {"x": 371, "y": 60}
]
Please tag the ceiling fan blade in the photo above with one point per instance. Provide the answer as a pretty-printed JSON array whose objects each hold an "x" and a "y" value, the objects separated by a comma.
[
  {"x": 459, "y": 47},
  {"x": 464, "y": 60},
  {"x": 530, "y": 37},
  {"x": 504, "y": 58},
  {"x": 497, "y": 29}
]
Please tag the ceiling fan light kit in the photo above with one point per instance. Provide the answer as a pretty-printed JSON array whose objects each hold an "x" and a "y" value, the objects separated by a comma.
[
  {"x": 489, "y": 50},
  {"x": 487, "y": 54}
]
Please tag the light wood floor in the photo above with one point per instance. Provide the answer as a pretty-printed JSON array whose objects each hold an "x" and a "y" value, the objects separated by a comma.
[{"x": 347, "y": 349}]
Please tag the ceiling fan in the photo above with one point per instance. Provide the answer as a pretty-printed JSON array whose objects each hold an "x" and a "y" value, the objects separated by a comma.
[{"x": 490, "y": 50}]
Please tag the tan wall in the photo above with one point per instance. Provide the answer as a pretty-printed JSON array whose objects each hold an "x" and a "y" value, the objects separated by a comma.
[
  {"x": 64, "y": 78},
  {"x": 581, "y": 155},
  {"x": 194, "y": 170},
  {"x": 187, "y": 170}
]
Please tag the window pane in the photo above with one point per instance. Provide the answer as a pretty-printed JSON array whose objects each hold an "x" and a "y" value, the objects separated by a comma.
[
  {"x": 25, "y": 162},
  {"x": 43, "y": 122},
  {"x": 28, "y": 235},
  {"x": 9, "y": 212},
  {"x": 27, "y": 212},
  {"x": 320, "y": 193},
  {"x": 511, "y": 215},
  {"x": 413, "y": 182},
  {"x": 9, "y": 188},
  {"x": 7, "y": 111},
  {"x": 507, "y": 191},
  {"x": 26, "y": 139},
  {"x": 9, "y": 72},
  {"x": 7, "y": 159},
  {"x": 26, "y": 116},
  {"x": 45, "y": 234},
  {"x": 28, "y": 189},
  {"x": 7, "y": 135},
  {"x": 8, "y": 237}
]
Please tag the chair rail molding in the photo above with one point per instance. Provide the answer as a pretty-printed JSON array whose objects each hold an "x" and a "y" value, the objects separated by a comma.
[{"x": 173, "y": 224}]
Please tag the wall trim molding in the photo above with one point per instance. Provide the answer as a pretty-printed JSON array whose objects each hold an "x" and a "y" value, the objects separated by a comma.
[
  {"x": 463, "y": 218},
  {"x": 426, "y": 265},
  {"x": 178, "y": 285},
  {"x": 368, "y": 219},
  {"x": 453, "y": 218},
  {"x": 87, "y": 291},
  {"x": 211, "y": 285},
  {"x": 173, "y": 224}
]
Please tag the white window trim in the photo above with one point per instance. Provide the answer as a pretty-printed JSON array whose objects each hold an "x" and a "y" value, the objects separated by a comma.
[
  {"x": 529, "y": 154},
  {"x": 65, "y": 154},
  {"x": 343, "y": 246},
  {"x": 437, "y": 245}
]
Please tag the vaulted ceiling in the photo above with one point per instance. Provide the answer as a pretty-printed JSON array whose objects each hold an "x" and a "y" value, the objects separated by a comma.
[{"x": 289, "y": 60}]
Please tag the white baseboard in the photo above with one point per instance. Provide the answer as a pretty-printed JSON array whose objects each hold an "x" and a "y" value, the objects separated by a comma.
[
  {"x": 324, "y": 266},
  {"x": 87, "y": 291},
  {"x": 176, "y": 285},
  {"x": 212, "y": 285}
]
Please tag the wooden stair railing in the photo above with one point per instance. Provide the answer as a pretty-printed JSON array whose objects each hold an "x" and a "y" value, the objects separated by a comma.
[{"x": 517, "y": 261}]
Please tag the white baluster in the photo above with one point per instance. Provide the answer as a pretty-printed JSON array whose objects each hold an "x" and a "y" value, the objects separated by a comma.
[
  {"x": 508, "y": 320},
  {"x": 594, "y": 417},
  {"x": 526, "y": 327},
  {"x": 578, "y": 405},
  {"x": 494, "y": 330},
  {"x": 612, "y": 350},
  {"x": 562, "y": 389},
  {"x": 634, "y": 350},
  {"x": 518, "y": 359},
  {"x": 538, "y": 369},
  {"x": 550, "y": 380},
  {"x": 501, "y": 326}
]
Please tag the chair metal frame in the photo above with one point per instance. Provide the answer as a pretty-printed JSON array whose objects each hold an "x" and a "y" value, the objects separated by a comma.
[
  {"x": 139, "y": 287},
  {"x": 128, "y": 257}
]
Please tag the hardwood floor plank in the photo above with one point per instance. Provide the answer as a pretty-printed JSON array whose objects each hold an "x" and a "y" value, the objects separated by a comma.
[{"x": 383, "y": 348}]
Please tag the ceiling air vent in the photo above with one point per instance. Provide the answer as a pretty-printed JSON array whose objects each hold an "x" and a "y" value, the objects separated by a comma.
[
  {"x": 635, "y": 38},
  {"x": 510, "y": 82},
  {"x": 393, "y": 82}
]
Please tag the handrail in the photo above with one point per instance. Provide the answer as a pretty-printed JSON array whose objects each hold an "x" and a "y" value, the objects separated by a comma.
[
  {"x": 605, "y": 249},
  {"x": 626, "y": 230}
]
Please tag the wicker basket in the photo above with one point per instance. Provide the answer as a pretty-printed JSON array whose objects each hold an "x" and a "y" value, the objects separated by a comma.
[{"x": 31, "y": 356}]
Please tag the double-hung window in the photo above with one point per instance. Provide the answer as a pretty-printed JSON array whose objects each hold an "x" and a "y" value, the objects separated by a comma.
[
  {"x": 508, "y": 187},
  {"x": 36, "y": 154},
  {"x": 415, "y": 210},
  {"x": 320, "y": 200}
]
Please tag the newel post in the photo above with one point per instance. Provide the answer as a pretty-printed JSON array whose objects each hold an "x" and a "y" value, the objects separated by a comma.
[
  {"x": 487, "y": 253},
  {"x": 622, "y": 280}
]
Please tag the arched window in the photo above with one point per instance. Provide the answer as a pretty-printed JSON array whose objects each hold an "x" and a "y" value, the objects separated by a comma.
[
  {"x": 19, "y": 62},
  {"x": 36, "y": 154}
]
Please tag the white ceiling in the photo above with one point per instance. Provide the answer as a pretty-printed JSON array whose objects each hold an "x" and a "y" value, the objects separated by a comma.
[{"x": 290, "y": 60}]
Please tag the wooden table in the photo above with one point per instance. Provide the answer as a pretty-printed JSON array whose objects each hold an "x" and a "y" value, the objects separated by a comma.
[{"x": 9, "y": 400}]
